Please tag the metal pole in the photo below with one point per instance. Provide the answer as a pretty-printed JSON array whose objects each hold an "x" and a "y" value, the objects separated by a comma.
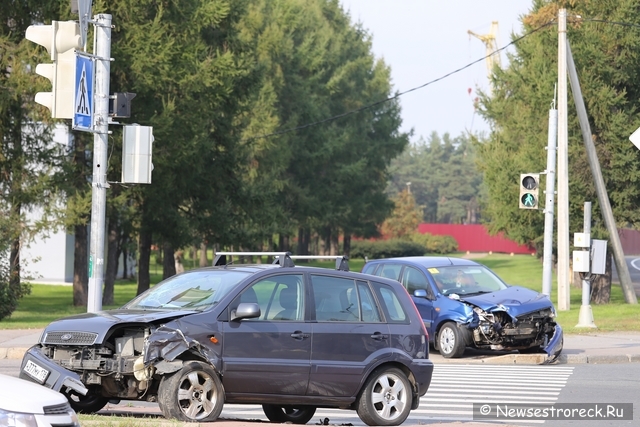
[
  {"x": 585, "y": 319},
  {"x": 564, "y": 302},
  {"x": 102, "y": 50},
  {"x": 601, "y": 190},
  {"x": 547, "y": 259}
]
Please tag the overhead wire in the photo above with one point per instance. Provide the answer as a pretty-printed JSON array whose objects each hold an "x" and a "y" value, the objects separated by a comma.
[{"x": 399, "y": 94}]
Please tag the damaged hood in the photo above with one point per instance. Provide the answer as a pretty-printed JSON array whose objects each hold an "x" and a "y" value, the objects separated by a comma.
[
  {"x": 515, "y": 300},
  {"x": 102, "y": 322}
]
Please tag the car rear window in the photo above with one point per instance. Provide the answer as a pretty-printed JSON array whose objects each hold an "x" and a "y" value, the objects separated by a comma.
[{"x": 391, "y": 304}]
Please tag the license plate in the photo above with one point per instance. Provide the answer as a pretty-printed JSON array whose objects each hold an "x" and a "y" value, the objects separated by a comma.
[{"x": 36, "y": 371}]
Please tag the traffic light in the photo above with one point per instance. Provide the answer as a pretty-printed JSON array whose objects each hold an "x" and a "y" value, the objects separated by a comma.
[
  {"x": 529, "y": 186},
  {"x": 60, "y": 39}
]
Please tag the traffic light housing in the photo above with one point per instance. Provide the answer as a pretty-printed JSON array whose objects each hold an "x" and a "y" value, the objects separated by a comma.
[
  {"x": 61, "y": 38},
  {"x": 529, "y": 186}
]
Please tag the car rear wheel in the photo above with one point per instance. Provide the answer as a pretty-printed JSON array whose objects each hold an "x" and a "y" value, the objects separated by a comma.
[
  {"x": 194, "y": 393},
  {"x": 386, "y": 398},
  {"x": 89, "y": 403},
  {"x": 289, "y": 414},
  {"x": 450, "y": 342}
]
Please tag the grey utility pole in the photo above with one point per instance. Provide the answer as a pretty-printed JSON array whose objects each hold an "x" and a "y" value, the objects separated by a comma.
[
  {"x": 585, "y": 319},
  {"x": 549, "y": 197},
  {"x": 563, "y": 167},
  {"x": 601, "y": 190},
  {"x": 102, "y": 51}
]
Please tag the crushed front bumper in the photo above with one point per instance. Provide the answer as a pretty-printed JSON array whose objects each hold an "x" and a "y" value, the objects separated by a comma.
[{"x": 38, "y": 368}]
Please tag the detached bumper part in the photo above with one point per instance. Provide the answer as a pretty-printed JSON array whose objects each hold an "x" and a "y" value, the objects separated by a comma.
[
  {"x": 58, "y": 379},
  {"x": 554, "y": 347}
]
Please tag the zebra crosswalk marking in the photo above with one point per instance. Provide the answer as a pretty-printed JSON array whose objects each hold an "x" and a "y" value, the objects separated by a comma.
[{"x": 453, "y": 391}]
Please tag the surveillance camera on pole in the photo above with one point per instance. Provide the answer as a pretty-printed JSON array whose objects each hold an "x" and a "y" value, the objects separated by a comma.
[{"x": 60, "y": 39}]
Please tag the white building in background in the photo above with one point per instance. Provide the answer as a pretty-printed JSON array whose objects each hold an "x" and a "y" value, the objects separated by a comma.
[{"x": 48, "y": 258}]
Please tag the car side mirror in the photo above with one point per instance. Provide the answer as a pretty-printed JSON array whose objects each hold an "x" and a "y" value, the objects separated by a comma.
[
  {"x": 420, "y": 293},
  {"x": 246, "y": 310}
]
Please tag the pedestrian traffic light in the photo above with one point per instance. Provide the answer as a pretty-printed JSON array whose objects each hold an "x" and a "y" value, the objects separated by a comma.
[
  {"x": 529, "y": 186},
  {"x": 60, "y": 39}
]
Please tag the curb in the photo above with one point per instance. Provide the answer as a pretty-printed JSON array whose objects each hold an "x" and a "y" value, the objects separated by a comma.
[{"x": 506, "y": 359}]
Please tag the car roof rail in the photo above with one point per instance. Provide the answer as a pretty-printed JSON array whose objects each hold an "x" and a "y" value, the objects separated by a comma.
[
  {"x": 282, "y": 258},
  {"x": 342, "y": 261}
]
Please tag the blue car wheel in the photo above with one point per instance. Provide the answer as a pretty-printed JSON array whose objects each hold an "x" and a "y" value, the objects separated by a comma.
[{"x": 450, "y": 341}]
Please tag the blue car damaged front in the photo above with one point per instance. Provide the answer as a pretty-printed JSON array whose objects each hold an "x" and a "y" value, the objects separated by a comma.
[{"x": 464, "y": 304}]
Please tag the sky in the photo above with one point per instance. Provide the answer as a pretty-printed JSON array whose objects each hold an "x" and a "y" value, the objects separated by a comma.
[{"x": 423, "y": 40}]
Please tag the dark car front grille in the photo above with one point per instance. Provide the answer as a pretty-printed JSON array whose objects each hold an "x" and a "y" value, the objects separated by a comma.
[
  {"x": 70, "y": 338},
  {"x": 61, "y": 409}
]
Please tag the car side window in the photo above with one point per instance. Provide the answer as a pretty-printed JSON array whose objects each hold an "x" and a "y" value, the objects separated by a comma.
[
  {"x": 390, "y": 271},
  {"x": 336, "y": 299},
  {"x": 369, "y": 268},
  {"x": 413, "y": 279},
  {"x": 370, "y": 311},
  {"x": 392, "y": 307},
  {"x": 279, "y": 297}
]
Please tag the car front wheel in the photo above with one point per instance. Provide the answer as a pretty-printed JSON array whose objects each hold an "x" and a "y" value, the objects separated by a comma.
[
  {"x": 289, "y": 414},
  {"x": 386, "y": 398},
  {"x": 450, "y": 342},
  {"x": 194, "y": 393}
]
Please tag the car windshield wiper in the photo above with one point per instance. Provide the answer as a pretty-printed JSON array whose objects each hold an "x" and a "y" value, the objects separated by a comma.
[{"x": 470, "y": 294}]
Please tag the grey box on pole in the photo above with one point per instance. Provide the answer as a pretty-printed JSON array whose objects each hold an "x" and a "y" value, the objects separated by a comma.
[
  {"x": 136, "y": 154},
  {"x": 581, "y": 261},
  {"x": 598, "y": 256}
]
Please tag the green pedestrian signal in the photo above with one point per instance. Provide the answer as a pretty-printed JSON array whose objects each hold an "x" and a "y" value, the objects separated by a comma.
[{"x": 529, "y": 186}]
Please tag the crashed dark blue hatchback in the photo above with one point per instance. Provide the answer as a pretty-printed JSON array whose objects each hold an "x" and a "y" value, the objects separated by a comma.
[
  {"x": 291, "y": 338},
  {"x": 465, "y": 304}
]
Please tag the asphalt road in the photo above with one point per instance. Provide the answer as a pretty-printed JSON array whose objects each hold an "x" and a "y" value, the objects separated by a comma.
[
  {"x": 456, "y": 387},
  {"x": 633, "y": 264}
]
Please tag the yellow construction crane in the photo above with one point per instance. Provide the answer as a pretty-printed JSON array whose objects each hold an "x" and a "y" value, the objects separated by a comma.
[{"x": 491, "y": 43}]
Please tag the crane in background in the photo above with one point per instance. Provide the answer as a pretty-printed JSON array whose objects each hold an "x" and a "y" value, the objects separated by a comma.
[{"x": 490, "y": 41}]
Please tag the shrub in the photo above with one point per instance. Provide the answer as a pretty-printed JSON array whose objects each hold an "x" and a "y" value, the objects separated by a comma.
[
  {"x": 10, "y": 293},
  {"x": 385, "y": 248},
  {"x": 441, "y": 244}
]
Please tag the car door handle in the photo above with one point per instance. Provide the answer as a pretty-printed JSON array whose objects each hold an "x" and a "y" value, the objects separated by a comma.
[
  {"x": 379, "y": 337},
  {"x": 299, "y": 335}
]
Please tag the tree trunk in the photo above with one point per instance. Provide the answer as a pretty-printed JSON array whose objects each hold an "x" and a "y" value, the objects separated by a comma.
[
  {"x": 601, "y": 286},
  {"x": 301, "y": 246},
  {"x": 112, "y": 263},
  {"x": 335, "y": 242},
  {"x": 80, "y": 266},
  {"x": 203, "y": 254},
  {"x": 346, "y": 244},
  {"x": 169, "y": 262},
  {"x": 14, "y": 264},
  {"x": 326, "y": 241},
  {"x": 269, "y": 249},
  {"x": 144, "y": 249}
]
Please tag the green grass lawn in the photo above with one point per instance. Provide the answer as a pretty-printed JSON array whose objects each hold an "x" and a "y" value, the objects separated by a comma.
[{"x": 50, "y": 302}]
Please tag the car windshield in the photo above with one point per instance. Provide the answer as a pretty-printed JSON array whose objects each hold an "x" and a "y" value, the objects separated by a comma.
[
  {"x": 195, "y": 290},
  {"x": 466, "y": 280}
]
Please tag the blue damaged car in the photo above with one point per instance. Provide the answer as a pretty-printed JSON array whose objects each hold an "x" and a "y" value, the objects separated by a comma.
[{"x": 464, "y": 304}]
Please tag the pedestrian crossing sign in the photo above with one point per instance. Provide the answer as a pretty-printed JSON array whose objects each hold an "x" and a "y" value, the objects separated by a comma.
[{"x": 84, "y": 83}]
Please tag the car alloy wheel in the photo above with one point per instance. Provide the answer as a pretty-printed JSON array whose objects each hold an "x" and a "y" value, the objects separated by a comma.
[
  {"x": 194, "y": 393},
  {"x": 450, "y": 341},
  {"x": 386, "y": 398}
]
